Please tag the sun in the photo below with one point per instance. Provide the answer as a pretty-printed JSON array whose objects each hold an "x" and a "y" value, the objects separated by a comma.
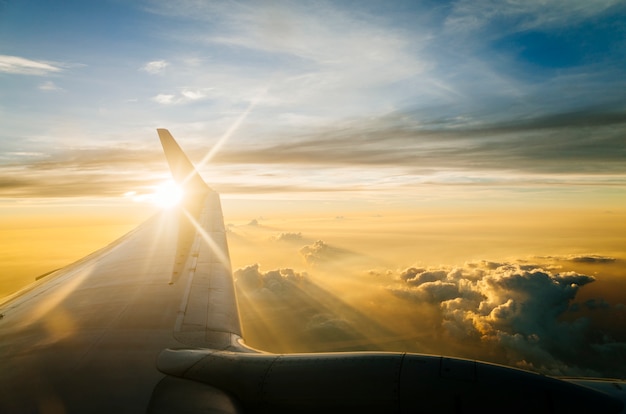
[{"x": 167, "y": 194}]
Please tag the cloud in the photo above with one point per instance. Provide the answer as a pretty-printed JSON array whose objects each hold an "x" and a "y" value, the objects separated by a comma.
[
  {"x": 288, "y": 237},
  {"x": 593, "y": 258},
  {"x": 164, "y": 99},
  {"x": 320, "y": 253},
  {"x": 294, "y": 314},
  {"x": 155, "y": 67},
  {"x": 546, "y": 144},
  {"x": 509, "y": 313},
  {"x": 324, "y": 56},
  {"x": 193, "y": 95},
  {"x": 593, "y": 304},
  {"x": 185, "y": 96},
  {"x": 524, "y": 15},
  {"x": 49, "y": 86},
  {"x": 274, "y": 282},
  {"x": 96, "y": 172},
  {"x": 581, "y": 258},
  {"x": 23, "y": 66},
  {"x": 517, "y": 310}
]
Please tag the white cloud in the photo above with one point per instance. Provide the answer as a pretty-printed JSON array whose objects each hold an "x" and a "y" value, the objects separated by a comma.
[
  {"x": 325, "y": 58},
  {"x": 23, "y": 66},
  {"x": 193, "y": 95},
  {"x": 49, "y": 86},
  {"x": 156, "y": 66},
  {"x": 164, "y": 99}
]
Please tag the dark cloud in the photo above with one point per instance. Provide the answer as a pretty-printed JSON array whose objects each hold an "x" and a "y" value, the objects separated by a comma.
[
  {"x": 591, "y": 259},
  {"x": 581, "y": 258},
  {"x": 574, "y": 142},
  {"x": 581, "y": 143},
  {"x": 593, "y": 304}
]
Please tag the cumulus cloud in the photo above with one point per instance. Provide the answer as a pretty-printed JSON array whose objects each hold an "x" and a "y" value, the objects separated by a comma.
[
  {"x": 317, "y": 253},
  {"x": 515, "y": 314},
  {"x": 332, "y": 258},
  {"x": 287, "y": 237},
  {"x": 23, "y": 66},
  {"x": 156, "y": 66},
  {"x": 516, "y": 309},
  {"x": 276, "y": 282}
]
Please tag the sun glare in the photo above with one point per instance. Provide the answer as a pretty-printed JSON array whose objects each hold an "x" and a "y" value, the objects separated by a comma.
[{"x": 166, "y": 194}]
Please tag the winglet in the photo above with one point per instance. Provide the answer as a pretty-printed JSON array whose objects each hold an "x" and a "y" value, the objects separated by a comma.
[{"x": 182, "y": 169}]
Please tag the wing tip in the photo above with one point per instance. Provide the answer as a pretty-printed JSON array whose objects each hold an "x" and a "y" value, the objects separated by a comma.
[{"x": 183, "y": 171}]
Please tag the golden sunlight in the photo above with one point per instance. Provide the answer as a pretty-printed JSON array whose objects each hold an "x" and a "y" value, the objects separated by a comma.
[{"x": 166, "y": 194}]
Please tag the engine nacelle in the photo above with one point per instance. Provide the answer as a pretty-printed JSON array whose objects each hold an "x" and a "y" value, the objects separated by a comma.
[{"x": 379, "y": 382}]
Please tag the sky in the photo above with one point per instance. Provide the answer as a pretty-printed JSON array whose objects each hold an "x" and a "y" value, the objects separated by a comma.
[{"x": 484, "y": 136}]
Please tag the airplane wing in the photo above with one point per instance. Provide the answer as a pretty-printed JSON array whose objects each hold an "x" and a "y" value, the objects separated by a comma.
[{"x": 86, "y": 338}]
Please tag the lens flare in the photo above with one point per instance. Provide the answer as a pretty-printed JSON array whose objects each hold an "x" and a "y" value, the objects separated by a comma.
[{"x": 167, "y": 194}]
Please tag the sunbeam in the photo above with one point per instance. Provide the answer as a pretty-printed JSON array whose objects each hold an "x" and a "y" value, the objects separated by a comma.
[
  {"x": 226, "y": 136},
  {"x": 221, "y": 256}
]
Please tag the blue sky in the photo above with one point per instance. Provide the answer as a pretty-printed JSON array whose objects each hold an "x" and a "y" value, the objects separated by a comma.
[{"x": 341, "y": 95}]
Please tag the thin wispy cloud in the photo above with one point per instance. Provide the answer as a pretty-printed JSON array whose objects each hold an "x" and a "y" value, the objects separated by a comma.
[
  {"x": 23, "y": 66},
  {"x": 156, "y": 66},
  {"x": 524, "y": 15},
  {"x": 164, "y": 99},
  {"x": 325, "y": 57},
  {"x": 49, "y": 86}
]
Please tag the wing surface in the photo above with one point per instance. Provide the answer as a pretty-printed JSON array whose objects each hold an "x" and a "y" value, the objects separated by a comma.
[{"x": 86, "y": 337}]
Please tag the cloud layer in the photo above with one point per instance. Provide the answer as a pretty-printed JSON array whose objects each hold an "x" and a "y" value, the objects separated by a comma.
[{"x": 515, "y": 314}]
